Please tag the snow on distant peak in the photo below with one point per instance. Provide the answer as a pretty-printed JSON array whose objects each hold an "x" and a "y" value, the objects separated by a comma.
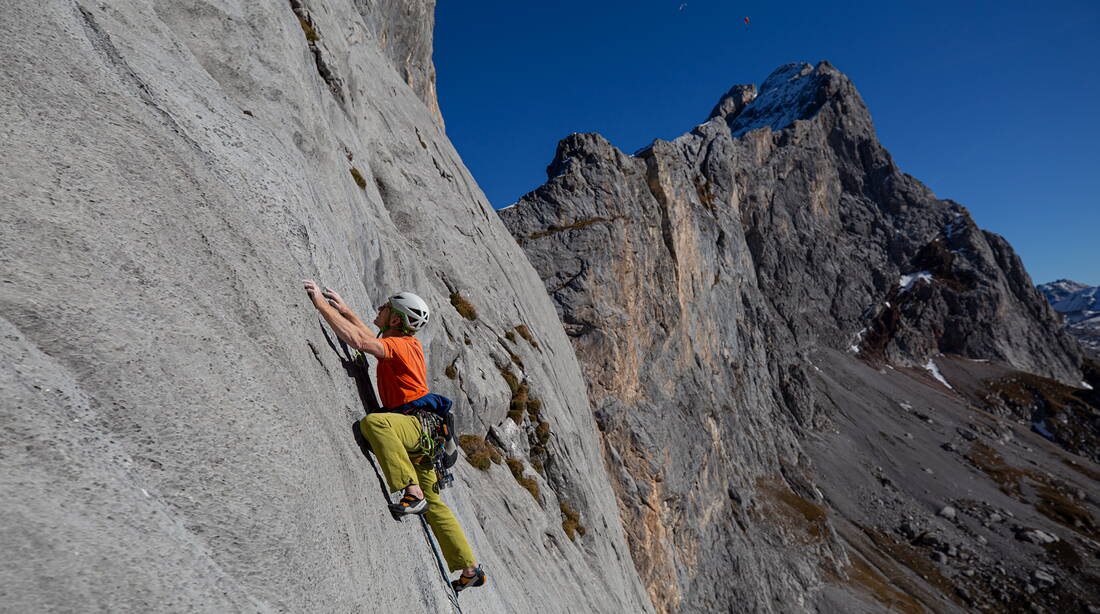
[
  {"x": 784, "y": 97},
  {"x": 1076, "y": 301},
  {"x": 1059, "y": 290}
]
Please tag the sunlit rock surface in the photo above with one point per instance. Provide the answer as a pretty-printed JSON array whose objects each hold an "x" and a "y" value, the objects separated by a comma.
[{"x": 175, "y": 429}]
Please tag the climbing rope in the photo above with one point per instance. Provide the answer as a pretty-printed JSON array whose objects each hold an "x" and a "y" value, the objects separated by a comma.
[{"x": 452, "y": 596}]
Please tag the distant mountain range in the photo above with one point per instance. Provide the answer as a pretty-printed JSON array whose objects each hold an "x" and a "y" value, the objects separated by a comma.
[{"x": 1080, "y": 304}]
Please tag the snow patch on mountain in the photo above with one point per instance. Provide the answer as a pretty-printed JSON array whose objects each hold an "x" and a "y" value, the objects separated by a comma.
[
  {"x": 906, "y": 281},
  {"x": 785, "y": 96},
  {"x": 935, "y": 371}
]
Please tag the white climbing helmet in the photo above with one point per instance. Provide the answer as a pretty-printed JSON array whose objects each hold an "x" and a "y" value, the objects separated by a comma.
[{"x": 412, "y": 308}]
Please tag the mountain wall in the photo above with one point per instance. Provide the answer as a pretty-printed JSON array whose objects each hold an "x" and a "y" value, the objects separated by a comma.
[
  {"x": 798, "y": 356},
  {"x": 1080, "y": 306},
  {"x": 176, "y": 424}
]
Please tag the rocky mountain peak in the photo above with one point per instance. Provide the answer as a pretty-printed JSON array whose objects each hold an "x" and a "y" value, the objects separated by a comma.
[
  {"x": 579, "y": 148},
  {"x": 791, "y": 92}
]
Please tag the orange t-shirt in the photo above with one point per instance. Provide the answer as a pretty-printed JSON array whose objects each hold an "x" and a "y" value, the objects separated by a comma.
[{"x": 401, "y": 375}]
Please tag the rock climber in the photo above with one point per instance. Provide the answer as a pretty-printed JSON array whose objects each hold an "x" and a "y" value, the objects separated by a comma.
[{"x": 402, "y": 378}]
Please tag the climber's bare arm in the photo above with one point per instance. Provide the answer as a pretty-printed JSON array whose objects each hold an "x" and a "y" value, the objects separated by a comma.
[{"x": 343, "y": 320}]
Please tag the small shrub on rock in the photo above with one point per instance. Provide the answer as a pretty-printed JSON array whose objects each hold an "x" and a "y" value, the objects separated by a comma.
[
  {"x": 515, "y": 465},
  {"x": 463, "y": 306},
  {"x": 571, "y": 522},
  {"x": 479, "y": 452},
  {"x": 359, "y": 180},
  {"x": 542, "y": 433}
]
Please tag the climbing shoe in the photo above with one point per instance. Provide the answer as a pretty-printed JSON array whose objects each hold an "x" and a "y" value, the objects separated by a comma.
[
  {"x": 409, "y": 504},
  {"x": 464, "y": 582}
]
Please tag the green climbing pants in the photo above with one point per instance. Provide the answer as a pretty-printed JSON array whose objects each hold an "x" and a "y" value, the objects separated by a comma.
[{"x": 393, "y": 437}]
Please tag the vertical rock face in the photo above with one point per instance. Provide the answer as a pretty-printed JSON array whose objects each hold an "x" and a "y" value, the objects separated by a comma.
[
  {"x": 403, "y": 30},
  {"x": 714, "y": 285},
  {"x": 175, "y": 423}
]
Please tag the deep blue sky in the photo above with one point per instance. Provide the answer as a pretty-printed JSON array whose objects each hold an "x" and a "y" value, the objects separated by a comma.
[{"x": 994, "y": 104}]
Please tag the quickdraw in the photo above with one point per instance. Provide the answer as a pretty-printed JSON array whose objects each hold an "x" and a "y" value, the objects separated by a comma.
[{"x": 433, "y": 439}]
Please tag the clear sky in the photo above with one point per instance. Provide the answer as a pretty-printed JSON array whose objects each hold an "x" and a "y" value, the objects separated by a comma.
[{"x": 993, "y": 104}]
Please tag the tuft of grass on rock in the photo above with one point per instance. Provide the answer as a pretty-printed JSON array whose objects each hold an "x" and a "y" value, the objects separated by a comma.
[
  {"x": 542, "y": 433},
  {"x": 451, "y": 372},
  {"x": 511, "y": 379},
  {"x": 510, "y": 336},
  {"x": 515, "y": 465},
  {"x": 526, "y": 334},
  {"x": 534, "y": 408},
  {"x": 463, "y": 306},
  {"x": 516, "y": 415},
  {"x": 311, "y": 34},
  {"x": 359, "y": 180},
  {"x": 571, "y": 522},
  {"x": 518, "y": 403},
  {"x": 479, "y": 452}
]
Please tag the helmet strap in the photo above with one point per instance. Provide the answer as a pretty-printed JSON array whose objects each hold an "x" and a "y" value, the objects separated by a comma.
[{"x": 404, "y": 328}]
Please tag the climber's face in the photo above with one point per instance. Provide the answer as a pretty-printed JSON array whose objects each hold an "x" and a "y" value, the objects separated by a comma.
[{"x": 383, "y": 317}]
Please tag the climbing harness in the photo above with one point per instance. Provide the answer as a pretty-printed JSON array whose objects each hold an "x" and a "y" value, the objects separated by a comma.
[{"x": 434, "y": 433}]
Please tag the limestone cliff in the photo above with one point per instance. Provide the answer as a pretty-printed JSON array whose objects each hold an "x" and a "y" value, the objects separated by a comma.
[
  {"x": 798, "y": 355},
  {"x": 175, "y": 423}
]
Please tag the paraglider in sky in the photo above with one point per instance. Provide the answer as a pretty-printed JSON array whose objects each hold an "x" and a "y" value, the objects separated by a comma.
[
  {"x": 682, "y": 6},
  {"x": 746, "y": 22}
]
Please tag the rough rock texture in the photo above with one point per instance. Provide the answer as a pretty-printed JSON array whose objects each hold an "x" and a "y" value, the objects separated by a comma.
[
  {"x": 747, "y": 300},
  {"x": 1080, "y": 306},
  {"x": 175, "y": 427}
]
